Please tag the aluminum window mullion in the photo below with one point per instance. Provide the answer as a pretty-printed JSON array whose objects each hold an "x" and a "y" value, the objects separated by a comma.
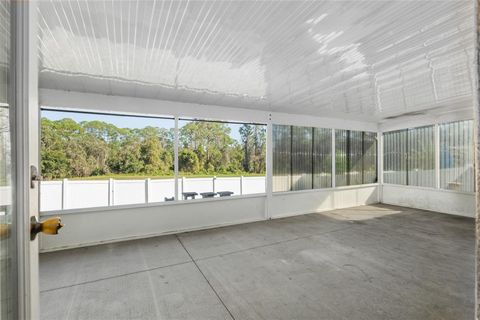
[
  {"x": 175, "y": 160},
  {"x": 437, "y": 156},
  {"x": 333, "y": 160}
]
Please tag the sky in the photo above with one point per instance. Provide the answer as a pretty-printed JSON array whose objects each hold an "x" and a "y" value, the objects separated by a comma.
[{"x": 121, "y": 121}]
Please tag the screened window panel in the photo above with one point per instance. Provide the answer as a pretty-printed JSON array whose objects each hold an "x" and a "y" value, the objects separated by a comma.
[
  {"x": 395, "y": 157},
  {"x": 421, "y": 157},
  {"x": 302, "y": 155},
  {"x": 341, "y": 158},
  {"x": 355, "y": 155},
  {"x": 457, "y": 156},
  {"x": 282, "y": 158},
  {"x": 370, "y": 157},
  {"x": 322, "y": 158}
]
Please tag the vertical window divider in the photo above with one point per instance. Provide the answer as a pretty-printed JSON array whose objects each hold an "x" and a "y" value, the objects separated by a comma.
[
  {"x": 291, "y": 158},
  {"x": 437, "y": 155},
  {"x": 348, "y": 158},
  {"x": 363, "y": 157},
  {"x": 175, "y": 157},
  {"x": 334, "y": 174},
  {"x": 407, "y": 156},
  {"x": 380, "y": 165},
  {"x": 269, "y": 167},
  {"x": 313, "y": 158}
]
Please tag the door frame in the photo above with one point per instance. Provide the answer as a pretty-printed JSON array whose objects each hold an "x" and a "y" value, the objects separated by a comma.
[{"x": 25, "y": 132}]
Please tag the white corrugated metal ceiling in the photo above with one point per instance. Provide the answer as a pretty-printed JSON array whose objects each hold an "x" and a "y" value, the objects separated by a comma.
[{"x": 352, "y": 59}]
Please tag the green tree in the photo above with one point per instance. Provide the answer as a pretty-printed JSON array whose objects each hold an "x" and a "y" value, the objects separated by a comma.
[
  {"x": 71, "y": 149},
  {"x": 210, "y": 141},
  {"x": 188, "y": 161}
]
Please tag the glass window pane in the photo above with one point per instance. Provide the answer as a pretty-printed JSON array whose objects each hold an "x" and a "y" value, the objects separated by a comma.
[
  {"x": 8, "y": 245},
  {"x": 97, "y": 160},
  {"x": 394, "y": 157},
  {"x": 341, "y": 158},
  {"x": 356, "y": 157},
  {"x": 302, "y": 156},
  {"x": 369, "y": 157},
  {"x": 219, "y": 159},
  {"x": 282, "y": 157},
  {"x": 322, "y": 158},
  {"x": 457, "y": 156},
  {"x": 421, "y": 157}
]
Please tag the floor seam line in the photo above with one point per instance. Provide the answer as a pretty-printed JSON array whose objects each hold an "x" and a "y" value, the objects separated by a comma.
[
  {"x": 205, "y": 277},
  {"x": 273, "y": 244},
  {"x": 116, "y": 276},
  {"x": 185, "y": 262},
  {"x": 191, "y": 260}
]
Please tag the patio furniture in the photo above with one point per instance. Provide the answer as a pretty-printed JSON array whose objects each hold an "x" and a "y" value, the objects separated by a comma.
[
  {"x": 208, "y": 194},
  {"x": 169, "y": 199},
  {"x": 225, "y": 193},
  {"x": 187, "y": 195}
]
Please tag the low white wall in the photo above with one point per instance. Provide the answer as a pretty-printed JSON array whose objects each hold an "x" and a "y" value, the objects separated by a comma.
[
  {"x": 445, "y": 201},
  {"x": 85, "y": 227},
  {"x": 89, "y": 226},
  {"x": 286, "y": 204}
]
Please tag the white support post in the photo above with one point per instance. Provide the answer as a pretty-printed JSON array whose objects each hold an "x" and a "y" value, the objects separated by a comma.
[
  {"x": 175, "y": 158},
  {"x": 147, "y": 189},
  {"x": 269, "y": 168},
  {"x": 64, "y": 194},
  {"x": 241, "y": 185},
  {"x": 213, "y": 183},
  {"x": 333, "y": 159},
  {"x": 380, "y": 166},
  {"x": 437, "y": 156},
  {"x": 333, "y": 169},
  {"x": 183, "y": 185},
  {"x": 111, "y": 192}
]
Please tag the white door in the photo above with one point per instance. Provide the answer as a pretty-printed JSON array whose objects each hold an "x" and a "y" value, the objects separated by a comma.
[
  {"x": 19, "y": 294},
  {"x": 8, "y": 246}
]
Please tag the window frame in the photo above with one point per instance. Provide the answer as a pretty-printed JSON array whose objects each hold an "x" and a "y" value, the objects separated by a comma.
[
  {"x": 436, "y": 144},
  {"x": 176, "y": 175}
]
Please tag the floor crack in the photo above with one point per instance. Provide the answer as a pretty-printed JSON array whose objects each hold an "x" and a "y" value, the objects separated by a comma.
[{"x": 205, "y": 277}]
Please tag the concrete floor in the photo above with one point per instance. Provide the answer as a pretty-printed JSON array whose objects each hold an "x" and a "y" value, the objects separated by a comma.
[{"x": 370, "y": 262}]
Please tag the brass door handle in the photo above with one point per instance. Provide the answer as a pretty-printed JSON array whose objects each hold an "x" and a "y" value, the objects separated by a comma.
[{"x": 47, "y": 226}]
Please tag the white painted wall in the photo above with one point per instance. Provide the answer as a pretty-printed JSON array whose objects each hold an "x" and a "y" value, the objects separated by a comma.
[
  {"x": 89, "y": 227},
  {"x": 286, "y": 204},
  {"x": 446, "y": 201}
]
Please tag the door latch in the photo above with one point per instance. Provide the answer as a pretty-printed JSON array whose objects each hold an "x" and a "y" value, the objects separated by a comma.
[
  {"x": 34, "y": 176},
  {"x": 47, "y": 226}
]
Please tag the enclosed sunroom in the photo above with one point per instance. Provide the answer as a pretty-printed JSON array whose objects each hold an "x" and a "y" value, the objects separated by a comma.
[{"x": 238, "y": 159}]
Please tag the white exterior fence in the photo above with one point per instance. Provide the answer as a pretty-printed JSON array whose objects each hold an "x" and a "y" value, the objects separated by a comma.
[{"x": 76, "y": 194}]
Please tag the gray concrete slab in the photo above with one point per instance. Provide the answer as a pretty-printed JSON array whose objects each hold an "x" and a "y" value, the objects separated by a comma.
[
  {"x": 352, "y": 273},
  {"x": 67, "y": 267},
  {"x": 371, "y": 262},
  {"x": 175, "y": 292},
  {"x": 208, "y": 243}
]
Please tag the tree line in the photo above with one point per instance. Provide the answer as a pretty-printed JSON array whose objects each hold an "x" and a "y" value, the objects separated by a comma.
[{"x": 72, "y": 149}]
